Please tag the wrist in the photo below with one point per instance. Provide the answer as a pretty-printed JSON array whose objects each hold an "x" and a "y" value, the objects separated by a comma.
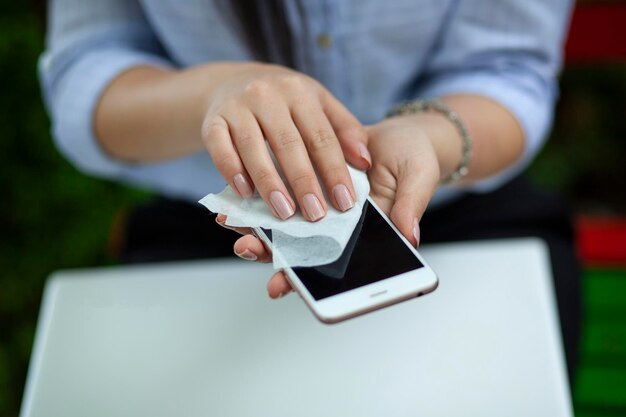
[
  {"x": 442, "y": 109},
  {"x": 442, "y": 136}
]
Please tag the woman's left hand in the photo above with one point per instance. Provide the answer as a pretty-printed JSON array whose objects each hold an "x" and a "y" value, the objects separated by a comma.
[
  {"x": 405, "y": 172},
  {"x": 404, "y": 175}
]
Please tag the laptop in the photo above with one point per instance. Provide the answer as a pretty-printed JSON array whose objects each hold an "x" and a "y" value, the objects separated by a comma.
[{"x": 203, "y": 339}]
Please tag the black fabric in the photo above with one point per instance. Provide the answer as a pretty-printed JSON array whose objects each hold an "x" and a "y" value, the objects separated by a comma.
[{"x": 168, "y": 230}]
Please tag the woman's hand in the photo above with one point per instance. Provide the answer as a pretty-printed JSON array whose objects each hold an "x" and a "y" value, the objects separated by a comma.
[
  {"x": 405, "y": 172},
  {"x": 306, "y": 129},
  {"x": 230, "y": 109},
  {"x": 404, "y": 175},
  {"x": 144, "y": 108}
]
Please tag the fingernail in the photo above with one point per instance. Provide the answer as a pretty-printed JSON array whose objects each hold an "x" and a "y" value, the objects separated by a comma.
[
  {"x": 365, "y": 154},
  {"x": 416, "y": 231},
  {"x": 343, "y": 197},
  {"x": 280, "y": 295},
  {"x": 313, "y": 207},
  {"x": 247, "y": 255},
  {"x": 243, "y": 187},
  {"x": 281, "y": 205}
]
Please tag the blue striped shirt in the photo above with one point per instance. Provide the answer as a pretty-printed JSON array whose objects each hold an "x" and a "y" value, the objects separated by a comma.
[{"x": 370, "y": 54}]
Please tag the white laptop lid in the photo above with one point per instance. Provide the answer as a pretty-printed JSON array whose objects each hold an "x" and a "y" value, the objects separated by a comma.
[{"x": 203, "y": 339}]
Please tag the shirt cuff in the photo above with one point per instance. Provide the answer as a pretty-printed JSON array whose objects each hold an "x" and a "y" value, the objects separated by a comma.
[
  {"x": 530, "y": 102},
  {"x": 73, "y": 107}
]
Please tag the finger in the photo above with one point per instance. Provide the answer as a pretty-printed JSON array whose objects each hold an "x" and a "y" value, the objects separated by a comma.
[
  {"x": 278, "y": 286},
  {"x": 292, "y": 156},
  {"x": 324, "y": 149},
  {"x": 250, "y": 248},
  {"x": 248, "y": 139},
  {"x": 383, "y": 187},
  {"x": 217, "y": 140},
  {"x": 352, "y": 135},
  {"x": 221, "y": 220},
  {"x": 416, "y": 185}
]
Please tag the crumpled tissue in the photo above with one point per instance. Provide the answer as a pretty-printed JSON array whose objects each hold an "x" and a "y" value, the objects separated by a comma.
[{"x": 296, "y": 242}]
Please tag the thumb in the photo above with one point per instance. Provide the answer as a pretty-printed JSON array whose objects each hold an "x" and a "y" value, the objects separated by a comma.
[
  {"x": 351, "y": 134},
  {"x": 416, "y": 184}
]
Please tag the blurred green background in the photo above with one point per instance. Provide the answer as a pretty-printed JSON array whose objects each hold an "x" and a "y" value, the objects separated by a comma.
[{"x": 53, "y": 217}]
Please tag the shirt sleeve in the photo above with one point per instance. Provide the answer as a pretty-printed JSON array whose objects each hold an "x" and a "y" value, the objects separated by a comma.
[
  {"x": 509, "y": 51},
  {"x": 88, "y": 44}
]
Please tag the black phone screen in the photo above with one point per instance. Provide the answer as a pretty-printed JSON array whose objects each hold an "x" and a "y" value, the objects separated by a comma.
[{"x": 374, "y": 253}]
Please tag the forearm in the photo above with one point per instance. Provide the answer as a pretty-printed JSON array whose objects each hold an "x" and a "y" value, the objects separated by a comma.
[
  {"x": 498, "y": 140},
  {"x": 151, "y": 114}
]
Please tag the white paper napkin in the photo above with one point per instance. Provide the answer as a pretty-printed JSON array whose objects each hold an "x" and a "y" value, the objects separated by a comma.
[{"x": 299, "y": 242}]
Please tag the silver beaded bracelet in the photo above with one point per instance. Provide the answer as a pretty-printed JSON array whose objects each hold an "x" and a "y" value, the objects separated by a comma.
[{"x": 421, "y": 106}]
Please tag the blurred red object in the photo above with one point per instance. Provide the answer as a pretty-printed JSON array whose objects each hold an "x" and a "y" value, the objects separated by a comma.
[
  {"x": 601, "y": 241},
  {"x": 597, "y": 33}
]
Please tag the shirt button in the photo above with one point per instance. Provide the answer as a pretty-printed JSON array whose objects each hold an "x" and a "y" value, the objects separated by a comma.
[{"x": 324, "y": 41}]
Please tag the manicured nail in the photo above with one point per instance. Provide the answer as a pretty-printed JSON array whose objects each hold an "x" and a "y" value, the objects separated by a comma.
[
  {"x": 313, "y": 207},
  {"x": 281, "y": 205},
  {"x": 416, "y": 231},
  {"x": 243, "y": 187},
  {"x": 343, "y": 197},
  {"x": 365, "y": 154},
  {"x": 247, "y": 255}
]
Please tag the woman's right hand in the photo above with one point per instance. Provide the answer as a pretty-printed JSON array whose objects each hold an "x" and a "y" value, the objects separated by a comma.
[{"x": 306, "y": 128}]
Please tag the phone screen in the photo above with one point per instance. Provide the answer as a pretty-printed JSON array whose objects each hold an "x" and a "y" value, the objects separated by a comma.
[{"x": 374, "y": 253}]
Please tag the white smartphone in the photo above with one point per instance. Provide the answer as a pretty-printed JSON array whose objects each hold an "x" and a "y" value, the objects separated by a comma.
[{"x": 378, "y": 268}]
